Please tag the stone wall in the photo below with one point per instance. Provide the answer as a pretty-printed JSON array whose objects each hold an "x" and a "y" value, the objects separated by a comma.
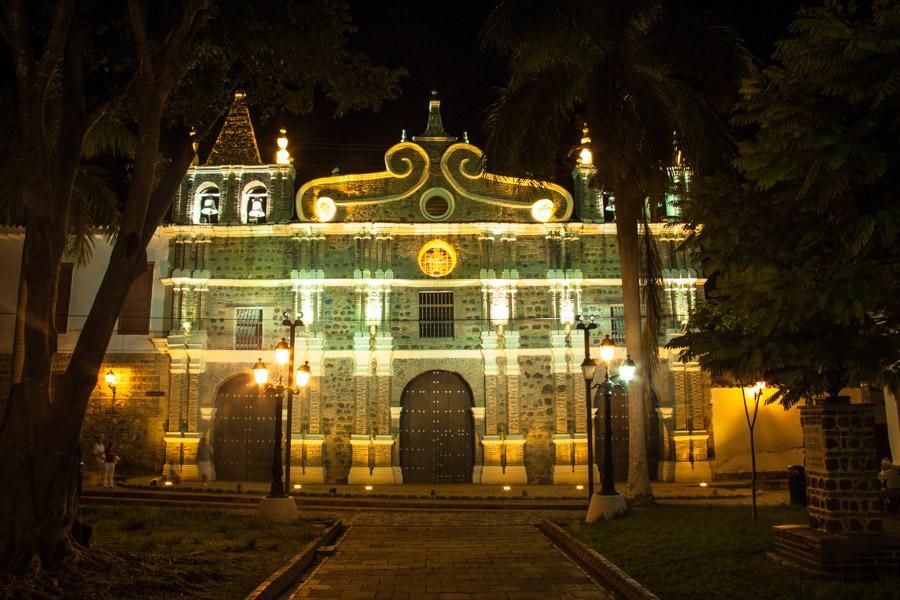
[
  {"x": 536, "y": 396},
  {"x": 841, "y": 468},
  {"x": 135, "y": 422}
]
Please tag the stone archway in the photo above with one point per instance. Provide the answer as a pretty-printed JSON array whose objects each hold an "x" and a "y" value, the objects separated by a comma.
[
  {"x": 437, "y": 429},
  {"x": 243, "y": 431}
]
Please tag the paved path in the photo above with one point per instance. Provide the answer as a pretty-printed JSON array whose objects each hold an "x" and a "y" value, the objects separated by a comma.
[{"x": 427, "y": 555}]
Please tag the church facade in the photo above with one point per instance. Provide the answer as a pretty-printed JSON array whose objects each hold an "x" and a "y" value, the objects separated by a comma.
[
  {"x": 438, "y": 303},
  {"x": 439, "y": 306}
]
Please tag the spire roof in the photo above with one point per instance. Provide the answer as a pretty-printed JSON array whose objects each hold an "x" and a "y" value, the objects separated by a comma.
[
  {"x": 434, "y": 131},
  {"x": 236, "y": 144}
]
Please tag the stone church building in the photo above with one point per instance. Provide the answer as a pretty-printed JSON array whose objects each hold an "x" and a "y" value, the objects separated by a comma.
[{"x": 438, "y": 303}]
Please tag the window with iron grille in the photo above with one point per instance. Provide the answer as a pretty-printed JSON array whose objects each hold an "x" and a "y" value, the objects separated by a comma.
[
  {"x": 435, "y": 314},
  {"x": 617, "y": 323},
  {"x": 248, "y": 329}
]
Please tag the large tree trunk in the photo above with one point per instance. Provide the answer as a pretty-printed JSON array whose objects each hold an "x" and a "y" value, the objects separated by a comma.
[{"x": 627, "y": 212}]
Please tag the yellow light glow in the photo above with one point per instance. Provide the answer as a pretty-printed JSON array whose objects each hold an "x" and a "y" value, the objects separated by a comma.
[
  {"x": 111, "y": 377},
  {"x": 282, "y": 352},
  {"x": 542, "y": 210},
  {"x": 586, "y": 157},
  {"x": 186, "y": 326},
  {"x": 579, "y": 487},
  {"x": 566, "y": 310},
  {"x": 260, "y": 372},
  {"x": 297, "y": 486},
  {"x": 703, "y": 484},
  {"x": 301, "y": 375},
  {"x": 607, "y": 349},
  {"x": 168, "y": 483},
  {"x": 506, "y": 488},
  {"x": 369, "y": 488},
  {"x": 325, "y": 209},
  {"x": 283, "y": 157},
  {"x": 437, "y": 258},
  {"x": 374, "y": 310}
]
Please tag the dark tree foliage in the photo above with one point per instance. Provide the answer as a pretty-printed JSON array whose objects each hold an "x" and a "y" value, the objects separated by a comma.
[
  {"x": 128, "y": 78},
  {"x": 804, "y": 241},
  {"x": 637, "y": 72}
]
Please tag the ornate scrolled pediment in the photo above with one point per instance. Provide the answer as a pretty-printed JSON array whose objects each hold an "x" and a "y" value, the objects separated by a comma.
[{"x": 432, "y": 179}]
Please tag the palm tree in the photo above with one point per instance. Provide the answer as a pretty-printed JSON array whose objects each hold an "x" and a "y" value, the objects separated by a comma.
[{"x": 637, "y": 71}]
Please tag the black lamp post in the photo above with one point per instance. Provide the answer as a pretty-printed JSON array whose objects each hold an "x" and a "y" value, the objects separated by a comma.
[
  {"x": 626, "y": 372},
  {"x": 588, "y": 369},
  {"x": 261, "y": 375},
  {"x": 284, "y": 353}
]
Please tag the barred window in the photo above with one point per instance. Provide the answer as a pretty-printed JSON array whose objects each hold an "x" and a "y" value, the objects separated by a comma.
[
  {"x": 435, "y": 314},
  {"x": 617, "y": 323},
  {"x": 248, "y": 329}
]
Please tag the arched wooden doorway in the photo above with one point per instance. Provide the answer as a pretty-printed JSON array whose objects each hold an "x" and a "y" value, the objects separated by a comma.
[
  {"x": 437, "y": 429},
  {"x": 243, "y": 431}
]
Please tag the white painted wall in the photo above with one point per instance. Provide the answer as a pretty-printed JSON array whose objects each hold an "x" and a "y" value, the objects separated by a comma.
[{"x": 85, "y": 281}]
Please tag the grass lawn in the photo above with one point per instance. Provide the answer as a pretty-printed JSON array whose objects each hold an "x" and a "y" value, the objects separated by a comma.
[
  {"x": 689, "y": 552},
  {"x": 176, "y": 553}
]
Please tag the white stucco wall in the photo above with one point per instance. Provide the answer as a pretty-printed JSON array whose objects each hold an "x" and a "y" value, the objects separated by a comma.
[
  {"x": 778, "y": 436},
  {"x": 85, "y": 281}
]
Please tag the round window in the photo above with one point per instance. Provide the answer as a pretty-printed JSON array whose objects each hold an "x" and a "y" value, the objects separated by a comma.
[
  {"x": 436, "y": 204},
  {"x": 437, "y": 258}
]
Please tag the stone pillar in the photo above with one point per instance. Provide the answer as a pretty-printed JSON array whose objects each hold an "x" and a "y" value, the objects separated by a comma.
[
  {"x": 361, "y": 375},
  {"x": 183, "y": 436},
  {"x": 841, "y": 468},
  {"x": 513, "y": 408},
  {"x": 491, "y": 372},
  {"x": 383, "y": 374},
  {"x": 559, "y": 355},
  {"x": 306, "y": 459},
  {"x": 478, "y": 421},
  {"x": 689, "y": 437},
  {"x": 578, "y": 404},
  {"x": 360, "y": 448}
]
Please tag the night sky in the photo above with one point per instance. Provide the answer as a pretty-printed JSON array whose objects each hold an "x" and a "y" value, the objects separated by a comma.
[{"x": 437, "y": 42}]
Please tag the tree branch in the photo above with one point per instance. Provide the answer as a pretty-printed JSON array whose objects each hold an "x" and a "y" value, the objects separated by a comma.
[
  {"x": 142, "y": 46},
  {"x": 165, "y": 190},
  {"x": 56, "y": 40}
]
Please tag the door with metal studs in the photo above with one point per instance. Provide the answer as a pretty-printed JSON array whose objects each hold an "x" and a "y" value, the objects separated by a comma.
[
  {"x": 437, "y": 429},
  {"x": 243, "y": 431}
]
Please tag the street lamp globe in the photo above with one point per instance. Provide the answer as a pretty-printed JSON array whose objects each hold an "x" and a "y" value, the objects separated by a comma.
[
  {"x": 111, "y": 378},
  {"x": 260, "y": 372},
  {"x": 607, "y": 349},
  {"x": 626, "y": 371},
  {"x": 588, "y": 369},
  {"x": 282, "y": 352},
  {"x": 301, "y": 376}
]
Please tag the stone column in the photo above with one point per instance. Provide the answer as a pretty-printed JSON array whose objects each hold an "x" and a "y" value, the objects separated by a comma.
[
  {"x": 491, "y": 442},
  {"x": 841, "y": 468},
  {"x": 478, "y": 421},
  {"x": 182, "y": 440},
  {"x": 689, "y": 437}
]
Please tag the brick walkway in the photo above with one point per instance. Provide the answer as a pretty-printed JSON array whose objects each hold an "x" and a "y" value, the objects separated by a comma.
[{"x": 415, "y": 555}]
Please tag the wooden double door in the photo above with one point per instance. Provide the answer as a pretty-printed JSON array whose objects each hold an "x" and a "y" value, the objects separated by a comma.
[
  {"x": 437, "y": 429},
  {"x": 243, "y": 431}
]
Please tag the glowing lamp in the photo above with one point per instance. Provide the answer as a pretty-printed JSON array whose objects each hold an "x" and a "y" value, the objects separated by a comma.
[
  {"x": 579, "y": 487},
  {"x": 589, "y": 369},
  {"x": 586, "y": 157},
  {"x": 168, "y": 483},
  {"x": 260, "y": 372},
  {"x": 325, "y": 209},
  {"x": 186, "y": 327},
  {"x": 369, "y": 488},
  {"x": 301, "y": 375},
  {"x": 282, "y": 157},
  {"x": 256, "y": 210},
  {"x": 607, "y": 349},
  {"x": 298, "y": 486},
  {"x": 566, "y": 311},
  {"x": 111, "y": 378},
  {"x": 626, "y": 371},
  {"x": 506, "y": 488},
  {"x": 282, "y": 352},
  {"x": 209, "y": 207},
  {"x": 542, "y": 210}
]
